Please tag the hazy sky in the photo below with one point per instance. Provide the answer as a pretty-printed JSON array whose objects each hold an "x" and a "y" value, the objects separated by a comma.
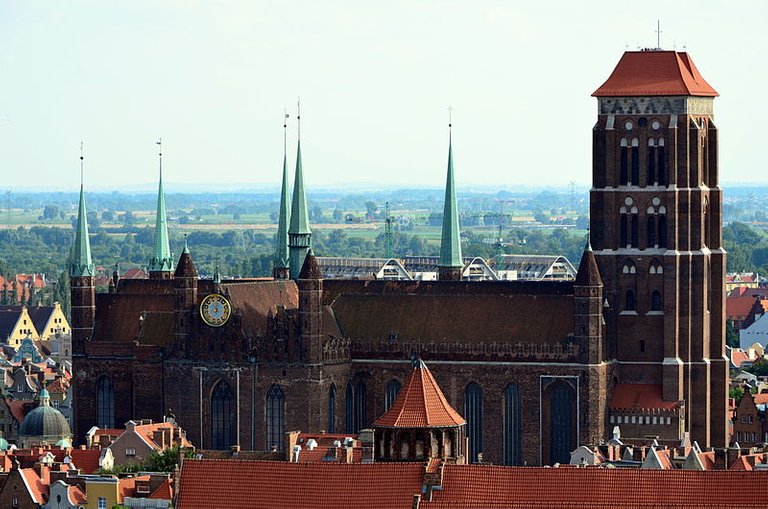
[{"x": 375, "y": 80}]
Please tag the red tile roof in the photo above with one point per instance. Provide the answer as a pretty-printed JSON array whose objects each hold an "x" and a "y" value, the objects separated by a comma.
[
  {"x": 37, "y": 489},
  {"x": 738, "y": 307},
  {"x": 87, "y": 460},
  {"x": 738, "y": 356},
  {"x": 760, "y": 399},
  {"x": 653, "y": 73},
  {"x": 466, "y": 486},
  {"x": 420, "y": 404},
  {"x": 163, "y": 492},
  {"x": 636, "y": 396},
  {"x": 235, "y": 483}
]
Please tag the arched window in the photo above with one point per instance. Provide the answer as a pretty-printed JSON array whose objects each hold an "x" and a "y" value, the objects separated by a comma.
[
  {"x": 349, "y": 409},
  {"x": 222, "y": 410},
  {"x": 623, "y": 179},
  {"x": 623, "y": 237},
  {"x": 651, "y": 163},
  {"x": 512, "y": 423},
  {"x": 656, "y": 302},
  {"x": 361, "y": 416},
  {"x": 332, "y": 409},
  {"x": 275, "y": 414},
  {"x": 393, "y": 388},
  {"x": 629, "y": 301},
  {"x": 651, "y": 225},
  {"x": 635, "y": 162},
  {"x": 635, "y": 230},
  {"x": 663, "y": 230},
  {"x": 561, "y": 421},
  {"x": 105, "y": 403},
  {"x": 473, "y": 412},
  {"x": 662, "y": 163}
]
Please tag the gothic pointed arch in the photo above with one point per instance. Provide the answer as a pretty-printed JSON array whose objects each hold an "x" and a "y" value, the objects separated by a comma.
[
  {"x": 275, "y": 417},
  {"x": 513, "y": 437},
  {"x": 222, "y": 411},
  {"x": 473, "y": 413},
  {"x": 392, "y": 390},
  {"x": 105, "y": 403}
]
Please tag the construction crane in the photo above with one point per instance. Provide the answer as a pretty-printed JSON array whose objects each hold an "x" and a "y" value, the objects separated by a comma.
[{"x": 388, "y": 233}]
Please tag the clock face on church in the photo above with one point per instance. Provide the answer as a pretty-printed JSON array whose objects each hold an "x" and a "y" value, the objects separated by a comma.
[{"x": 215, "y": 310}]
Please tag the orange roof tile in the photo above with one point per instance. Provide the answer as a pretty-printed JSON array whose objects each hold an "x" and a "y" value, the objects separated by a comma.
[
  {"x": 652, "y": 73},
  {"x": 77, "y": 496},
  {"x": 760, "y": 399},
  {"x": 738, "y": 356},
  {"x": 467, "y": 486},
  {"x": 237, "y": 483},
  {"x": 741, "y": 464},
  {"x": 37, "y": 489},
  {"x": 87, "y": 460},
  {"x": 420, "y": 404},
  {"x": 163, "y": 492},
  {"x": 635, "y": 396}
]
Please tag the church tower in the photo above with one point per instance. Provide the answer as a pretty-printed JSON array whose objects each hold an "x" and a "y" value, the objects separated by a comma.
[
  {"x": 281, "y": 265},
  {"x": 299, "y": 234},
  {"x": 656, "y": 227},
  {"x": 451, "y": 262},
  {"x": 82, "y": 281},
  {"x": 161, "y": 263},
  {"x": 185, "y": 302}
]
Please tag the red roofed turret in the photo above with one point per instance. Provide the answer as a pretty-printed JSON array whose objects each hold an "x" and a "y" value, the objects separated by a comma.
[{"x": 420, "y": 424}]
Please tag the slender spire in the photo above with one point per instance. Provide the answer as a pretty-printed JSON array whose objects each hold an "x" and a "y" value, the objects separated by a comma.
[
  {"x": 82, "y": 264},
  {"x": 450, "y": 242},
  {"x": 281, "y": 261},
  {"x": 299, "y": 233},
  {"x": 162, "y": 259}
]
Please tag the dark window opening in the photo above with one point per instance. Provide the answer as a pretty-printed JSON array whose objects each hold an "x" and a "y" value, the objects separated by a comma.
[
  {"x": 222, "y": 409},
  {"x": 105, "y": 403},
  {"x": 349, "y": 411},
  {"x": 561, "y": 422},
  {"x": 656, "y": 302},
  {"x": 662, "y": 164},
  {"x": 651, "y": 166},
  {"x": 651, "y": 224},
  {"x": 623, "y": 231},
  {"x": 629, "y": 301},
  {"x": 623, "y": 166},
  {"x": 275, "y": 414},
  {"x": 332, "y": 409},
  {"x": 663, "y": 231},
  {"x": 635, "y": 231},
  {"x": 393, "y": 388},
  {"x": 513, "y": 441},
  {"x": 473, "y": 413}
]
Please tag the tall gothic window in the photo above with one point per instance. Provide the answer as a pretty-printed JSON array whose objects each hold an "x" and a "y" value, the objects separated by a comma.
[
  {"x": 663, "y": 230},
  {"x": 332, "y": 409},
  {"x": 275, "y": 414},
  {"x": 105, "y": 403},
  {"x": 624, "y": 227},
  {"x": 662, "y": 163},
  {"x": 561, "y": 421},
  {"x": 635, "y": 162},
  {"x": 623, "y": 178},
  {"x": 349, "y": 409},
  {"x": 393, "y": 388},
  {"x": 635, "y": 231},
  {"x": 656, "y": 303},
  {"x": 222, "y": 409},
  {"x": 512, "y": 423},
  {"x": 629, "y": 301},
  {"x": 651, "y": 163},
  {"x": 651, "y": 230},
  {"x": 361, "y": 416},
  {"x": 473, "y": 412}
]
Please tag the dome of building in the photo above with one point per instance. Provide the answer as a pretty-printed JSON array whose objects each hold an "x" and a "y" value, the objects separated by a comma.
[
  {"x": 3, "y": 444},
  {"x": 44, "y": 425}
]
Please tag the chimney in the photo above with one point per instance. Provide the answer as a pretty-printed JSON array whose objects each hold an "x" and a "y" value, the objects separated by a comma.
[
  {"x": 416, "y": 502},
  {"x": 295, "y": 453},
  {"x": 159, "y": 438},
  {"x": 366, "y": 438},
  {"x": 291, "y": 439},
  {"x": 734, "y": 453},
  {"x": 720, "y": 459}
]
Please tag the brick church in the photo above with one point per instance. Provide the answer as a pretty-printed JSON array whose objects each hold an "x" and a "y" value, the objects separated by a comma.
[{"x": 535, "y": 368}]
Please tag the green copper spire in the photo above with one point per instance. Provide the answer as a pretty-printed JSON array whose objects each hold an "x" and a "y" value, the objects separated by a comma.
[
  {"x": 299, "y": 234},
  {"x": 162, "y": 259},
  {"x": 82, "y": 264},
  {"x": 450, "y": 242},
  {"x": 281, "y": 264}
]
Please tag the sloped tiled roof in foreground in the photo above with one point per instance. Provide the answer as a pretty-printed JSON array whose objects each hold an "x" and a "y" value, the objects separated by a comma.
[
  {"x": 654, "y": 73},
  {"x": 420, "y": 404},
  {"x": 235, "y": 483}
]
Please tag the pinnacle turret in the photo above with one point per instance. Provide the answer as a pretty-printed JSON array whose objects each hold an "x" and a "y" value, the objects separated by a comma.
[
  {"x": 161, "y": 263},
  {"x": 281, "y": 260},
  {"x": 82, "y": 264},
  {"x": 299, "y": 233},
  {"x": 451, "y": 262}
]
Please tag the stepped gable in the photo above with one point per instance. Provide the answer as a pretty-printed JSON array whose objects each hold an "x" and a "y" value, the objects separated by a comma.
[
  {"x": 655, "y": 73},
  {"x": 501, "y": 312},
  {"x": 420, "y": 404}
]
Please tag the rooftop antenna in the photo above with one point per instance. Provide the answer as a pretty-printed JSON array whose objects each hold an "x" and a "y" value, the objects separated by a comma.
[
  {"x": 388, "y": 237},
  {"x": 159, "y": 142},
  {"x": 298, "y": 116},
  {"x": 81, "y": 163},
  {"x": 285, "y": 130},
  {"x": 658, "y": 34}
]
